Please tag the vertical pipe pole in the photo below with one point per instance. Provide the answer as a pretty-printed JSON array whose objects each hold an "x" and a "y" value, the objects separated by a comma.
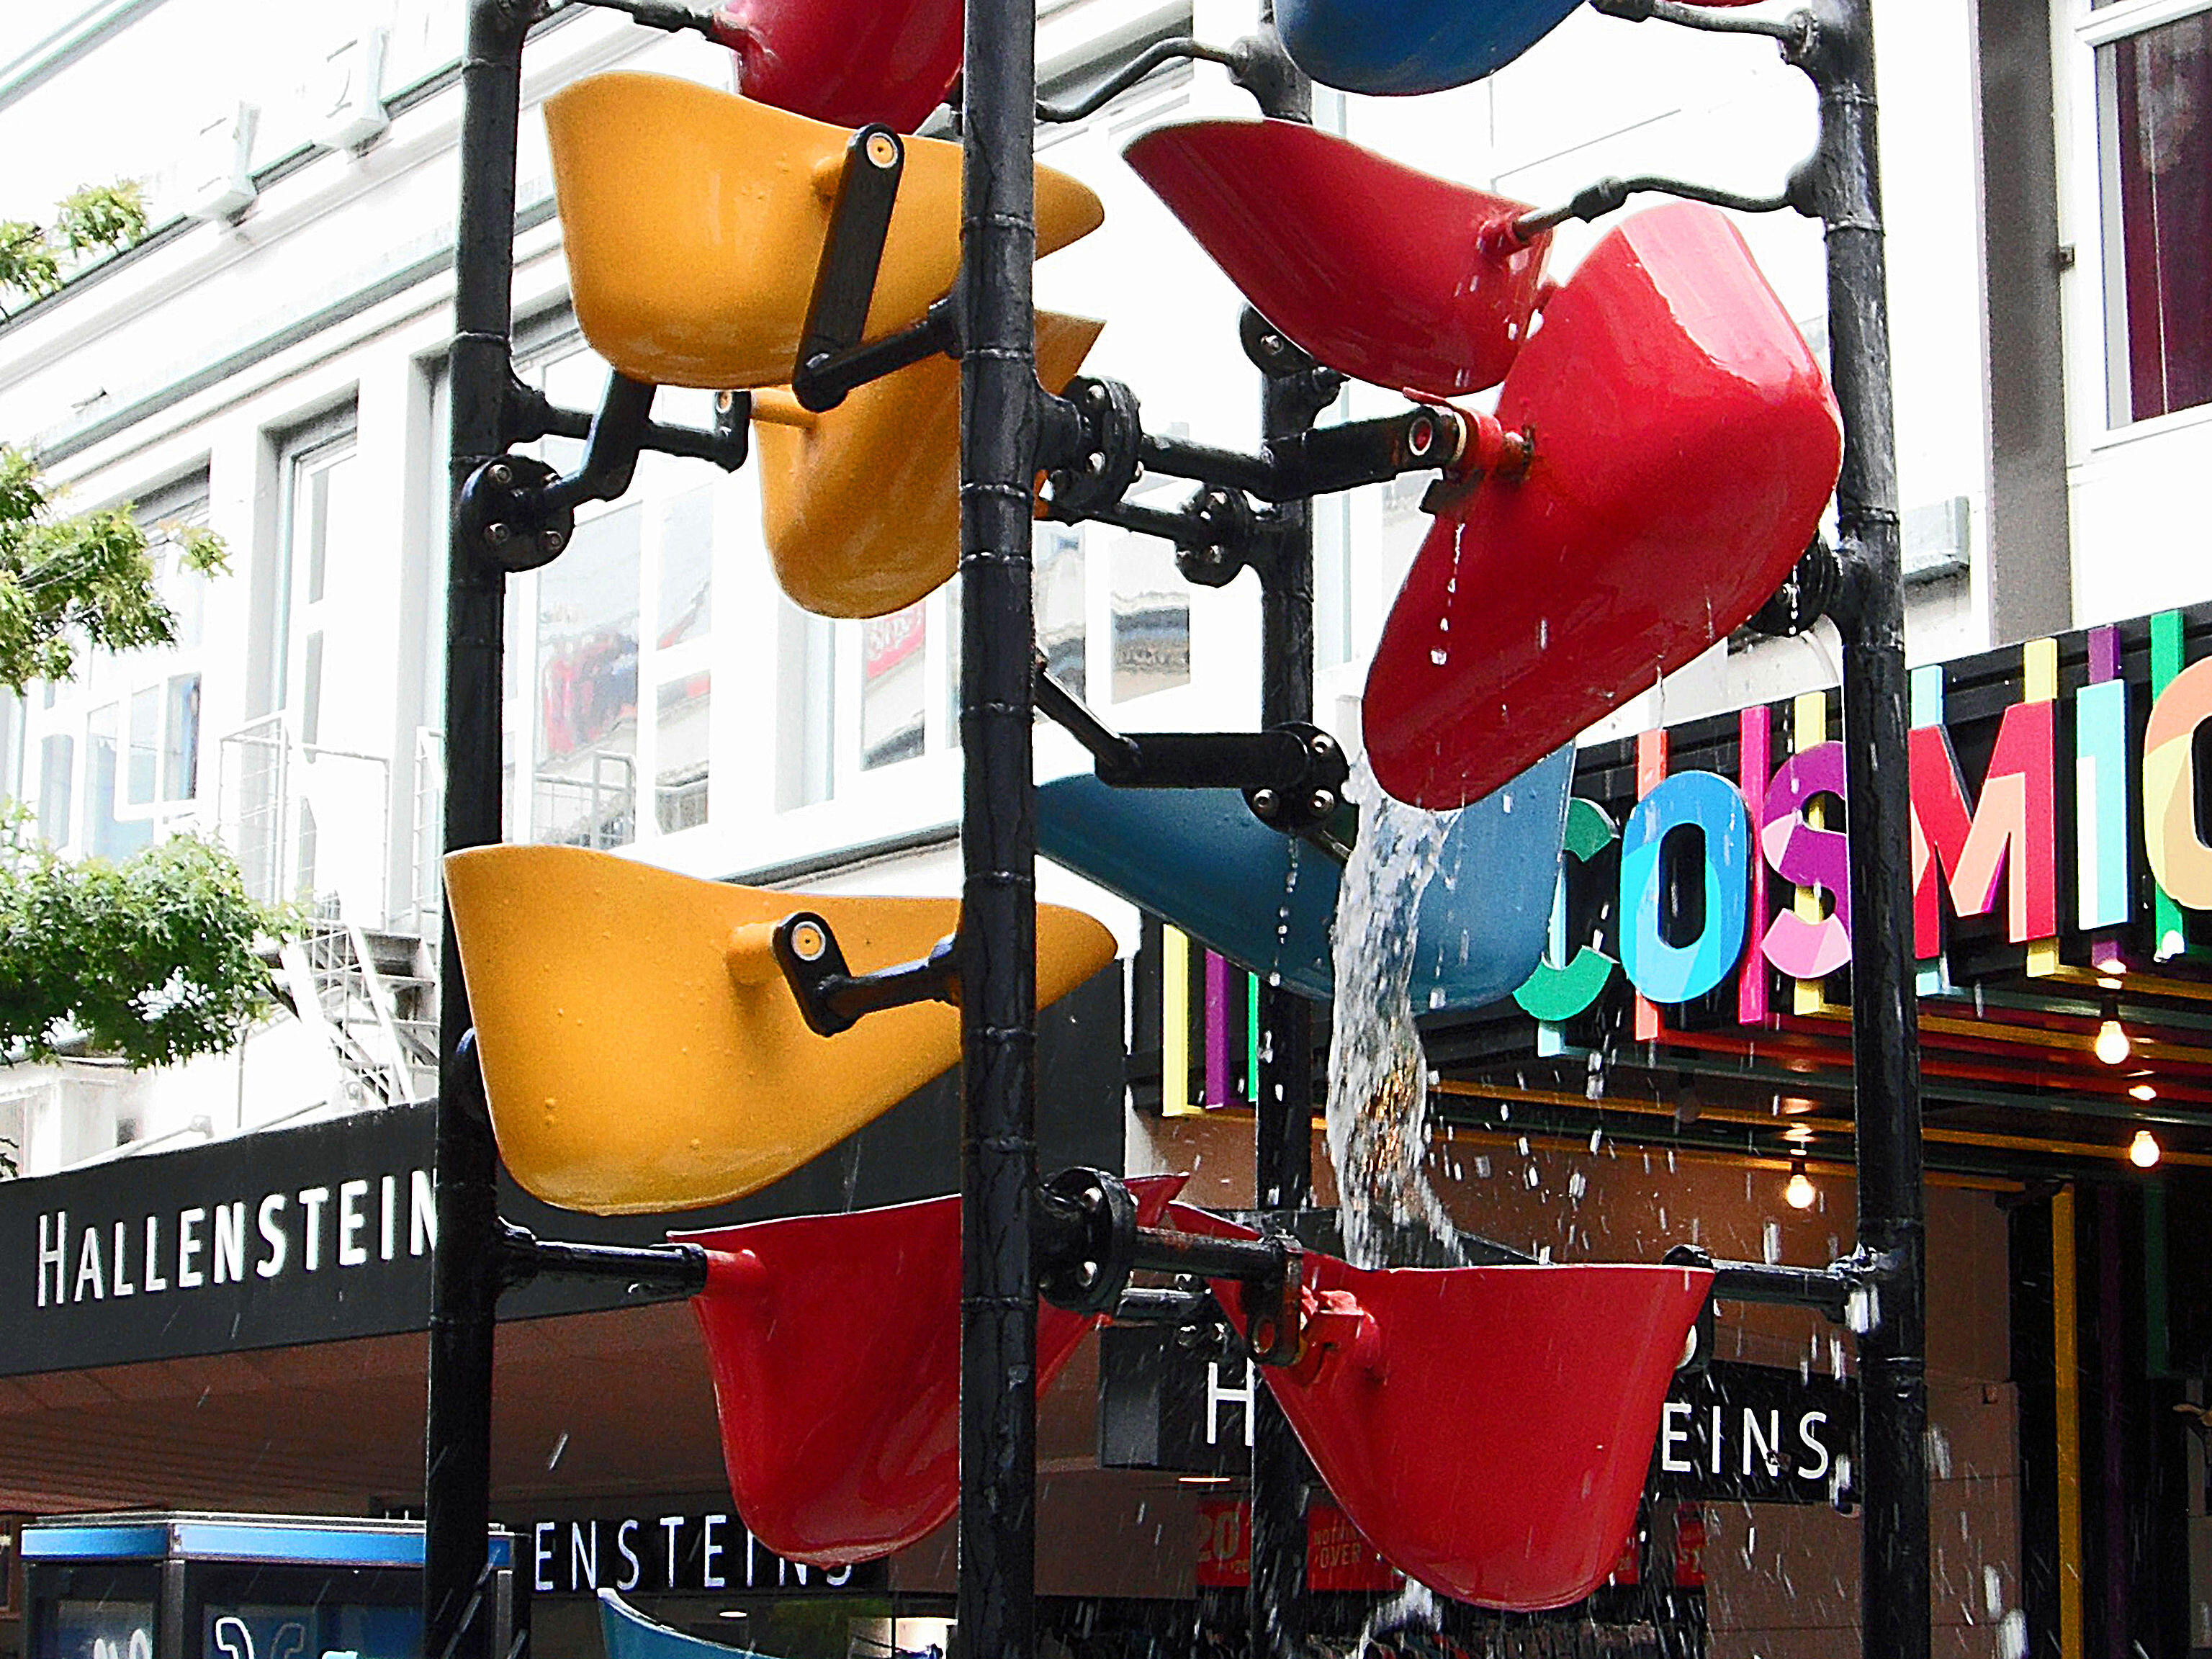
[
  {"x": 2066, "y": 1366},
  {"x": 1885, "y": 1015},
  {"x": 1283, "y": 1115},
  {"x": 457, "y": 1608},
  {"x": 999, "y": 401}
]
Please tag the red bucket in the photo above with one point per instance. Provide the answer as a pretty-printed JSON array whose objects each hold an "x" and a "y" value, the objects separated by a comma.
[
  {"x": 1488, "y": 1429},
  {"x": 1686, "y": 445},
  {"x": 1382, "y": 273},
  {"x": 835, "y": 1342},
  {"x": 846, "y": 62}
]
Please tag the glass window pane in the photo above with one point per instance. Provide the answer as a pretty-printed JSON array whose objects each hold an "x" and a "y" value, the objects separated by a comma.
[
  {"x": 311, "y": 692},
  {"x": 679, "y": 794},
  {"x": 56, "y": 776},
  {"x": 180, "y": 754},
  {"x": 318, "y": 531},
  {"x": 106, "y": 835},
  {"x": 893, "y": 685},
  {"x": 1057, "y": 561},
  {"x": 145, "y": 745},
  {"x": 687, "y": 568},
  {"x": 2156, "y": 90},
  {"x": 583, "y": 791},
  {"x": 806, "y": 704},
  {"x": 1151, "y": 619},
  {"x": 11, "y": 745}
]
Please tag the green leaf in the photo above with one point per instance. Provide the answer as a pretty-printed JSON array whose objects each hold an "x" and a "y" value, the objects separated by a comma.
[
  {"x": 94, "y": 217},
  {"x": 87, "y": 577},
  {"x": 154, "y": 960}
]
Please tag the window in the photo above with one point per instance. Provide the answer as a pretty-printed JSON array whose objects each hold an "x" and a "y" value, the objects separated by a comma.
[
  {"x": 56, "y": 780},
  {"x": 610, "y": 728},
  {"x": 2154, "y": 119},
  {"x": 1151, "y": 617},
  {"x": 133, "y": 720},
  {"x": 11, "y": 746}
]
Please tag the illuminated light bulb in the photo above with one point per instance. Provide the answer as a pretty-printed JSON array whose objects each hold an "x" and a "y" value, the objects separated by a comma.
[
  {"x": 2143, "y": 1091},
  {"x": 2144, "y": 1151},
  {"x": 1800, "y": 1192},
  {"x": 2112, "y": 1045}
]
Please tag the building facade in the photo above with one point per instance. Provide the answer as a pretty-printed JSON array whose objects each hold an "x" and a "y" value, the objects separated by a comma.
[{"x": 269, "y": 362}]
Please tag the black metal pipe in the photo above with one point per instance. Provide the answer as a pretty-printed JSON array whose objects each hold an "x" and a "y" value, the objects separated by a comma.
[
  {"x": 999, "y": 412},
  {"x": 1838, "y": 55},
  {"x": 457, "y": 1608},
  {"x": 1608, "y": 196},
  {"x": 1823, "y": 1289},
  {"x": 667, "y": 1269},
  {"x": 1290, "y": 403},
  {"x": 531, "y": 414},
  {"x": 824, "y": 381},
  {"x": 1299, "y": 463},
  {"x": 1251, "y": 1260},
  {"x": 1114, "y": 753},
  {"x": 617, "y": 436},
  {"x": 1156, "y": 56},
  {"x": 1179, "y": 458},
  {"x": 1141, "y": 1305}
]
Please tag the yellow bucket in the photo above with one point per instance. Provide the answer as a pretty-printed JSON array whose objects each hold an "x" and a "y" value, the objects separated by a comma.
[
  {"x": 860, "y": 506},
  {"x": 695, "y": 221},
  {"x": 642, "y": 1051}
]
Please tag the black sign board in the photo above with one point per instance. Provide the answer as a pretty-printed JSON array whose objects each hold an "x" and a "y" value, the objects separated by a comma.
[
  {"x": 1756, "y": 1434},
  {"x": 295, "y": 1236},
  {"x": 324, "y": 1233},
  {"x": 696, "y": 1545},
  {"x": 1163, "y": 1406}
]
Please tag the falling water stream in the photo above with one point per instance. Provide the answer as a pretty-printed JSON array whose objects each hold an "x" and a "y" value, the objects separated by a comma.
[{"x": 1377, "y": 1078}]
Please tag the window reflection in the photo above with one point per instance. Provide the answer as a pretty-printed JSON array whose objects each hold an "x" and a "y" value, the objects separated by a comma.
[
  {"x": 894, "y": 686},
  {"x": 1151, "y": 619},
  {"x": 585, "y": 790},
  {"x": 2156, "y": 119},
  {"x": 1057, "y": 561},
  {"x": 680, "y": 732}
]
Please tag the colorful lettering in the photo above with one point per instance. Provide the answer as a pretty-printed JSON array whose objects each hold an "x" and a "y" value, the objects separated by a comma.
[
  {"x": 1556, "y": 993},
  {"x": 2013, "y": 830},
  {"x": 1800, "y": 852},
  {"x": 2178, "y": 857},
  {"x": 1710, "y": 805}
]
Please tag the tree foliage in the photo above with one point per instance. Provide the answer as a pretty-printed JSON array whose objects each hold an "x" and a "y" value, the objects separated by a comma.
[
  {"x": 92, "y": 220},
  {"x": 87, "y": 576},
  {"x": 155, "y": 959}
]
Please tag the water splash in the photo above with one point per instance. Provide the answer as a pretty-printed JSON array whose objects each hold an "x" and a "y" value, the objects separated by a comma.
[{"x": 1378, "y": 1104}]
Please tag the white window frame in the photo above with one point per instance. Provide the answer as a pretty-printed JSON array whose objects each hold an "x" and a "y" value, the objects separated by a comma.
[
  {"x": 106, "y": 680},
  {"x": 548, "y": 342},
  {"x": 2078, "y": 32}
]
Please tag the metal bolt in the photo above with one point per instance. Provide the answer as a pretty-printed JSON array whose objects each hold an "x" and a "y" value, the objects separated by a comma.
[
  {"x": 1324, "y": 802},
  {"x": 1421, "y": 436},
  {"x": 552, "y": 540},
  {"x": 1087, "y": 1274},
  {"x": 1096, "y": 465},
  {"x": 1264, "y": 802},
  {"x": 1323, "y": 743},
  {"x": 883, "y": 149},
  {"x": 501, "y": 474},
  {"x": 498, "y": 534},
  {"x": 806, "y": 940},
  {"x": 1098, "y": 393}
]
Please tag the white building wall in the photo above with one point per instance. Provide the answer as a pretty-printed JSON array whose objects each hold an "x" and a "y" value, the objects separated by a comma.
[{"x": 204, "y": 348}]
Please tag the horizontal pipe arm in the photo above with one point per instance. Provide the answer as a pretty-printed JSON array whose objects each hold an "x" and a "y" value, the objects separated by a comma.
[{"x": 672, "y": 1269}]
